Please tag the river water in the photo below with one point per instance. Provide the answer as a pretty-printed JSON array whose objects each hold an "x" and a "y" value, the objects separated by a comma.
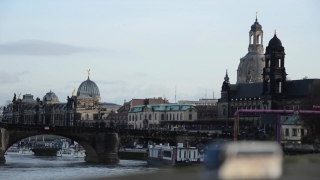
[{"x": 20, "y": 167}]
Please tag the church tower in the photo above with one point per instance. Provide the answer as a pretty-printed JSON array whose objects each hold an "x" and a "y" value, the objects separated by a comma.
[
  {"x": 251, "y": 65},
  {"x": 274, "y": 73}
]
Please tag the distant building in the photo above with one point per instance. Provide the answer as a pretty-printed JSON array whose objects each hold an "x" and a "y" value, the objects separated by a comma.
[
  {"x": 274, "y": 91},
  {"x": 81, "y": 109},
  {"x": 251, "y": 65},
  {"x": 161, "y": 116},
  {"x": 200, "y": 102},
  {"x": 292, "y": 130},
  {"x": 120, "y": 118}
]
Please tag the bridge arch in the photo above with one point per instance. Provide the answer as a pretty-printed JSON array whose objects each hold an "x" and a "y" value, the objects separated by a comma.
[
  {"x": 101, "y": 144},
  {"x": 90, "y": 151}
]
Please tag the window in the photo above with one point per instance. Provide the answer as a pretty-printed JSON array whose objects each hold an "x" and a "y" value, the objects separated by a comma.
[
  {"x": 287, "y": 132},
  {"x": 155, "y": 116},
  {"x": 302, "y": 132},
  {"x": 162, "y": 116},
  {"x": 224, "y": 112},
  {"x": 140, "y": 116},
  {"x": 145, "y": 116},
  {"x": 190, "y": 116},
  {"x": 166, "y": 153},
  {"x": 181, "y": 116},
  {"x": 294, "y": 132},
  {"x": 170, "y": 116},
  {"x": 167, "y": 117},
  {"x": 150, "y": 116}
]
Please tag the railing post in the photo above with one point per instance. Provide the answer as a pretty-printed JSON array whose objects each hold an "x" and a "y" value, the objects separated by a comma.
[
  {"x": 235, "y": 128},
  {"x": 278, "y": 128}
]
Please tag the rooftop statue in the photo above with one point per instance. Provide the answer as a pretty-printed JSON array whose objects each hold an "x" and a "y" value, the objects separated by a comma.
[
  {"x": 88, "y": 73},
  {"x": 74, "y": 92}
]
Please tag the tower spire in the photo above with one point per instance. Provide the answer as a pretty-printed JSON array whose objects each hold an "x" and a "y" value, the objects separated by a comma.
[
  {"x": 256, "y": 16},
  {"x": 275, "y": 32}
]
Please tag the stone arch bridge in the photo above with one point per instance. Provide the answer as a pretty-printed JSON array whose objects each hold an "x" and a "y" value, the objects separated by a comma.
[{"x": 101, "y": 144}]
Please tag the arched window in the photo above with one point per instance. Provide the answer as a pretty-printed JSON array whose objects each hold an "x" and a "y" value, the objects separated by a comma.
[{"x": 258, "y": 39}]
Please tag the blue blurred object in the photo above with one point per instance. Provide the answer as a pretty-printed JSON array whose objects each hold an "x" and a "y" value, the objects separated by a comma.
[{"x": 214, "y": 156}]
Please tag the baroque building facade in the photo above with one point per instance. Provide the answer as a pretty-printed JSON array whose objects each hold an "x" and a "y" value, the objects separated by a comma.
[
  {"x": 81, "y": 109},
  {"x": 274, "y": 92},
  {"x": 251, "y": 65}
]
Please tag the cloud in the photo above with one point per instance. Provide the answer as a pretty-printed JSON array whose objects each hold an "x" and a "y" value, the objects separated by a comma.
[
  {"x": 7, "y": 78},
  {"x": 41, "y": 48}
]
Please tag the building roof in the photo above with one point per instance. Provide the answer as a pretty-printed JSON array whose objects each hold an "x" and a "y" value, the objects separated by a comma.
[
  {"x": 256, "y": 26},
  {"x": 295, "y": 88},
  {"x": 90, "y": 87},
  {"x": 292, "y": 120},
  {"x": 163, "y": 107},
  {"x": 50, "y": 97},
  {"x": 275, "y": 41},
  {"x": 248, "y": 90}
]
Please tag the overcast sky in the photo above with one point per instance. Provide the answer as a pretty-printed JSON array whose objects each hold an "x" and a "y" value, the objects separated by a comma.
[{"x": 145, "y": 48}]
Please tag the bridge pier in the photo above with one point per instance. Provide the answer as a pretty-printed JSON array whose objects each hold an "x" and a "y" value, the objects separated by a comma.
[
  {"x": 2, "y": 158},
  {"x": 106, "y": 146}
]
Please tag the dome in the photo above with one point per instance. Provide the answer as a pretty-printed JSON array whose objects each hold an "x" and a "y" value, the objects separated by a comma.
[
  {"x": 28, "y": 98},
  {"x": 51, "y": 97},
  {"x": 275, "y": 41},
  {"x": 88, "y": 87},
  {"x": 256, "y": 26}
]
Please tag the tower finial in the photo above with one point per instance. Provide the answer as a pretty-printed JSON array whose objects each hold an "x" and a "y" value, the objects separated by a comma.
[
  {"x": 256, "y": 16},
  {"x": 88, "y": 73},
  {"x": 275, "y": 32}
]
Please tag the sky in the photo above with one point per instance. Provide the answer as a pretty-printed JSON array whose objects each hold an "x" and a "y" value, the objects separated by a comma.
[{"x": 143, "y": 48}]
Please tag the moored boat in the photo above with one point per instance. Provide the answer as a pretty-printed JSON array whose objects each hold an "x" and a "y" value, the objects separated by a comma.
[{"x": 159, "y": 155}]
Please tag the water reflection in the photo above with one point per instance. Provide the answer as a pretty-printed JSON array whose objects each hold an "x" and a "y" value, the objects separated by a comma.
[{"x": 35, "y": 167}]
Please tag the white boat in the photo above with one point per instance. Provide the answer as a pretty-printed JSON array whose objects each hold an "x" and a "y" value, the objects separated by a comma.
[
  {"x": 26, "y": 152},
  {"x": 66, "y": 153},
  {"x": 12, "y": 151},
  {"x": 171, "y": 155},
  {"x": 80, "y": 154},
  {"x": 17, "y": 151},
  {"x": 70, "y": 151}
]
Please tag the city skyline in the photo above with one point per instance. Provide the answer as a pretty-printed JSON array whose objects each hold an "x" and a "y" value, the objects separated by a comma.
[{"x": 143, "y": 49}]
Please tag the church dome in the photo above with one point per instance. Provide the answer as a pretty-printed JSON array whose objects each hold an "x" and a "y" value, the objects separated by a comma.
[
  {"x": 275, "y": 41},
  {"x": 51, "y": 97},
  {"x": 89, "y": 88},
  {"x": 256, "y": 26}
]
